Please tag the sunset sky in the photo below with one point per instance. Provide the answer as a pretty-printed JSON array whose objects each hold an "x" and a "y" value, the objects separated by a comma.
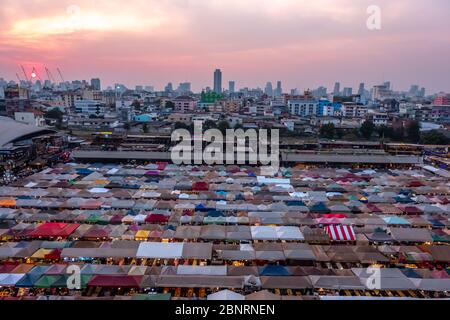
[{"x": 304, "y": 43}]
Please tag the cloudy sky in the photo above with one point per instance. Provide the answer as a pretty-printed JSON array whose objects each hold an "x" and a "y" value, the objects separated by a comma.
[{"x": 301, "y": 42}]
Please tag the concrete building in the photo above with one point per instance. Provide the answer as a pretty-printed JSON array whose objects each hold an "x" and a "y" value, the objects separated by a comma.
[
  {"x": 218, "y": 81},
  {"x": 90, "y": 107},
  {"x": 184, "y": 104},
  {"x": 31, "y": 118}
]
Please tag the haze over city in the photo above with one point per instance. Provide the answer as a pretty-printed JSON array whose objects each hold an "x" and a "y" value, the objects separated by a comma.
[{"x": 305, "y": 44}]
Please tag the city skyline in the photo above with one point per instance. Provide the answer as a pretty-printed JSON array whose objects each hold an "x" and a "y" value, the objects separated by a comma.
[{"x": 178, "y": 41}]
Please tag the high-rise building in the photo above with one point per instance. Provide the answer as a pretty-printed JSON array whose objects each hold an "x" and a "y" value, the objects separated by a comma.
[
  {"x": 95, "y": 84},
  {"x": 347, "y": 92},
  {"x": 184, "y": 88},
  {"x": 387, "y": 84},
  {"x": 218, "y": 81},
  {"x": 268, "y": 90},
  {"x": 337, "y": 88},
  {"x": 361, "y": 89},
  {"x": 168, "y": 88},
  {"x": 320, "y": 92},
  {"x": 231, "y": 86},
  {"x": 278, "y": 90}
]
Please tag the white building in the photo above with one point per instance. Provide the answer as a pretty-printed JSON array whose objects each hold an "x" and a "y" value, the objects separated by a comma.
[
  {"x": 30, "y": 118},
  {"x": 90, "y": 107},
  {"x": 352, "y": 110},
  {"x": 303, "y": 108}
]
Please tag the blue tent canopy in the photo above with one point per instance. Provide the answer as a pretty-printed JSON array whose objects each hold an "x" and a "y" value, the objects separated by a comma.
[
  {"x": 403, "y": 199},
  {"x": 295, "y": 203},
  {"x": 273, "y": 270},
  {"x": 27, "y": 280},
  {"x": 410, "y": 273},
  {"x": 201, "y": 207},
  {"x": 319, "y": 207},
  {"x": 84, "y": 171},
  {"x": 215, "y": 213}
]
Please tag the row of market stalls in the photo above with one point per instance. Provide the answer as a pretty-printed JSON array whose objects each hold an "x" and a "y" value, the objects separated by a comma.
[
  {"x": 172, "y": 232},
  {"x": 372, "y": 229},
  {"x": 288, "y": 253}
]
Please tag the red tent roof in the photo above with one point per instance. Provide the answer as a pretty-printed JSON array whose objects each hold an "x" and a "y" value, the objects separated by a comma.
[
  {"x": 156, "y": 218},
  {"x": 55, "y": 254},
  {"x": 54, "y": 229},
  {"x": 200, "y": 186},
  {"x": 96, "y": 233},
  {"x": 115, "y": 281},
  {"x": 411, "y": 210}
]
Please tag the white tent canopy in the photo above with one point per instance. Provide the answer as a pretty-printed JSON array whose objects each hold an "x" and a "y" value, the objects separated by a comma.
[
  {"x": 202, "y": 270},
  {"x": 160, "y": 250},
  {"x": 225, "y": 295}
]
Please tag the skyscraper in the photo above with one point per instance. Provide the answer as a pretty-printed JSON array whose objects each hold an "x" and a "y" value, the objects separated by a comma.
[
  {"x": 361, "y": 89},
  {"x": 218, "y": 81},
  {"x": 268, "y": 90},
  {"x": 337, "y": 88},
  {"x": 231, "y": 86},
  {"x": 168, "y": 88},
  {"x": 278, "y": 90},
  {"x": 95, "y": 84},
  {"x": 347, "y": 92}
]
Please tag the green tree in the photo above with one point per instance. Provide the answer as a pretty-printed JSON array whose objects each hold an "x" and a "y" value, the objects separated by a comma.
[
  {"x": 367, "y": 128},
  {"x": 223, "y": 126},
  {"x": 170, "y": 105},
  {"x": 413, "y": 131},
  {"x": 434, "y": 137},
  {"x": 181, "y": 125},
  {"x": 238, "y": 126},
  {"x": 55, "y": 113},
  {"x": 327, "y": 131},
  {"x": 209, "y": 124}
]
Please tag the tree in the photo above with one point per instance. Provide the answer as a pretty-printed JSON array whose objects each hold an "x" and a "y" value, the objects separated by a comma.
[
  {"x": 238, "y": 126},
  {"x": 384, "y": 131},
  {"x": 170, "y": 105},
  {"x": 145, "y": 128},
  {"x": 223, "y": 126},
  {"x": 181, "y": 125},
  {"x": 434, "y": 137},
  {"x": 327, "y": 131},
  {"x": 367, "y": 129},
  {"x": 209, "y": 124},
  {"x": 413, "y": 131},
  {"x": 55, "y": 113}
]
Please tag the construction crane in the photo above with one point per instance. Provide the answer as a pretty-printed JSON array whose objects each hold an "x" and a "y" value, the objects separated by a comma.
[
  {"x": 60, "y": 74},
  {"x": 34, "y": 74},
  {"x": 18, "y": 78},
  {"x": 24, "y": 73},
  {"x": 49, "y": 75}
]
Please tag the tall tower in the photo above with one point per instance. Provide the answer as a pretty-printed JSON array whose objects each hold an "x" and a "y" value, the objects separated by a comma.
[
  {"x": 231, "y": 86},
  {"x": 218, "y": 81},
  {"x": 337, "y": 88}
]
